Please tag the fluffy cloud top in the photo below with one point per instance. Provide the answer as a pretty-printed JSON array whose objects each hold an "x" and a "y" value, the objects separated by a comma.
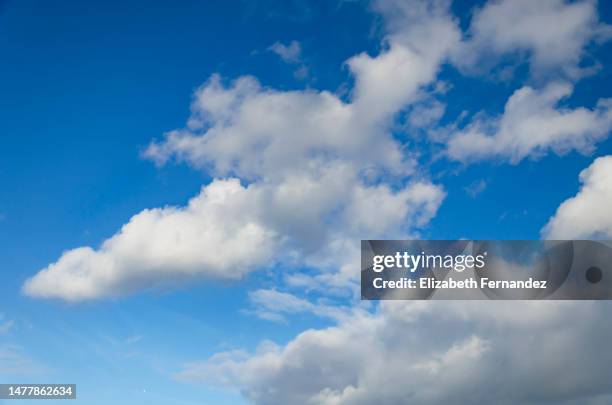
[
  {"x": 587, "y": 214},
  {"x": 554, "y": 33},
  {"x": 323, "y": 173},
  {"x": 257, "y": 133},
  {"x": 229, "y": 230},
  {"x": 436, "y": 352},
  {"x": 215, "y": 235},
  {"x": 531, "y": 125},
  {"x": 431, "y": 353}
]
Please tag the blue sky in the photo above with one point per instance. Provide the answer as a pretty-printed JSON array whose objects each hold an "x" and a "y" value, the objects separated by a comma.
[{"x": 87, "y": 87}]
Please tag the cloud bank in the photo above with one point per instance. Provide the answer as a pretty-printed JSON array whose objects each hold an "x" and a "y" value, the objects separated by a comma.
[{"x": 431, "y": 353}]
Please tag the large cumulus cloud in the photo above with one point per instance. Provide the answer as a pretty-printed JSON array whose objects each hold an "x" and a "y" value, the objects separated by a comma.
[
  {"x": 431, "y": 352},
  {"x": 318, "y": 174}
]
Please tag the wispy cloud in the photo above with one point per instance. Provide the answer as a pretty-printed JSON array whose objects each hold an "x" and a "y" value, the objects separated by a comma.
[
  {"x": 292, "y": 54},
  {"x": 14, "y": 361},
  {"x": 475, "y": 188},
  {"x": 5, "y": 324},
  {"x": 273, "y": 305}
]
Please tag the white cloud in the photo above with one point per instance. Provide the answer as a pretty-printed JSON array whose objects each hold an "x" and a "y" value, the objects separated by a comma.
[
  {"x": 421, "y": 37},
  {"x": 431, "y": 353},
  {"x": 318, "y": 172},
  {"x": 229, "y": 230},
  {"x": 215, "y": 235},
  {"x": 256, "y": 133},
  {"x": 587, "y": 214},
  {"x": 533, "y": 124},
  {"x": 273, "y": 305},
  {"x": 426, "y": 114},
  {"x": 323, "y": 174},
  {"x": 291, "y": 53},
  {"x": 554, "y": 33}
]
